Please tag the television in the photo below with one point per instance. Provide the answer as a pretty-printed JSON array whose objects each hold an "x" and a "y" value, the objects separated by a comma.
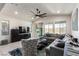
[{"x": 22, "y": 29}]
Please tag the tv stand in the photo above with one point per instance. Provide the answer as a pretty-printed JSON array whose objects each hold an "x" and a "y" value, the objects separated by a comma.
[
  {"x": 24, "y": 35},
  {"x": 16, "y": 36}
]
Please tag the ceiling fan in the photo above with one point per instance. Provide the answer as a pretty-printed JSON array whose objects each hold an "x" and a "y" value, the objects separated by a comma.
[{"x": 39, "y": 14}]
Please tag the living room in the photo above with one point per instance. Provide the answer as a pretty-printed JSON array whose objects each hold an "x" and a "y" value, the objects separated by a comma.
[{"x": 21, "y": 23}]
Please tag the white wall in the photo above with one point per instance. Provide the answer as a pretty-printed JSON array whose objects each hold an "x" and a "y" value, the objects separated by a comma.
[{"x": 13, "y": 23}]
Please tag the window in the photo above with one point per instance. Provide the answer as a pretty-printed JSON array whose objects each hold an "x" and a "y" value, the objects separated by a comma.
[
  {"x": 57, "y": 28},
  {"x": 63, "y": 28},
  {"x": 46, "y": 28},
  {"x": 49, "y": 28},
  {"x": 60, "y": 27}
]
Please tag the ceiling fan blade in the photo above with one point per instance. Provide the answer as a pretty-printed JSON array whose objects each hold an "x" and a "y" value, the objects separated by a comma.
[
  {"x": 32, "y": 12},
  {"x": 43, "y": 14}
]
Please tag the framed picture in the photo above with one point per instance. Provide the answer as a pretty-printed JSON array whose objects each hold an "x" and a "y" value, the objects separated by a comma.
[
  {"x": 5, "y": 27},
  {"x": 75, "y": 20}
]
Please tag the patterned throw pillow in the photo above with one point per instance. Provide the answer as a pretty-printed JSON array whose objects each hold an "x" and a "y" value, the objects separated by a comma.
[
  {"x": 16, "y": 52},
  {"x": 67, "y": 38}
]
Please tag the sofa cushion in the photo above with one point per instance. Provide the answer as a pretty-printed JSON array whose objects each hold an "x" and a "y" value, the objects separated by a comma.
[
  {"x": 53, "y": 44},
  {"x": 54, "y": 51},
  {"x": 75, "y": 40},
  {"x": 60, "y": 44},
  {"x": 48, "y": 35},
  {"x": 61, "y": 36}
]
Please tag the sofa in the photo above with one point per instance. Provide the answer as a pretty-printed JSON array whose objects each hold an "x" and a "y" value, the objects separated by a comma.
[
  {"x": 46, "y": 40},
  {"x": 56, "y": 51},
  {"x": 50, "y": 37},
  {"x": 56, "y": 48},
  {"x": 53, "y": 50}
]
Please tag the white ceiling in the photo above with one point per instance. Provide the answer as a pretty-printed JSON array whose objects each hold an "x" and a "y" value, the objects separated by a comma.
[{"x": 24, "y": 9}]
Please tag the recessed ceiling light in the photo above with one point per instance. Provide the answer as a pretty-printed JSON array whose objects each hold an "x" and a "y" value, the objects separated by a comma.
[
  {"x": 15, "y": 12},
  {"x": 58, "y": 11}
]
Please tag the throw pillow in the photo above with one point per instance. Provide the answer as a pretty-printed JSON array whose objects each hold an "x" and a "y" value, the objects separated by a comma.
[
  {"x": 66, "y": 38},
  {"x": 60, "y": 44},
  {"x": 61, "y": 36},
  {"x": 16, "y": 52}
]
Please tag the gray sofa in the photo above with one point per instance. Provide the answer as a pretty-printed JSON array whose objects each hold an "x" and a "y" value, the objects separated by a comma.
[
  {"x": 51, "y": 37},
  {"x": 53, "y": 50},
  {"x": 56, "y": 49}
]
